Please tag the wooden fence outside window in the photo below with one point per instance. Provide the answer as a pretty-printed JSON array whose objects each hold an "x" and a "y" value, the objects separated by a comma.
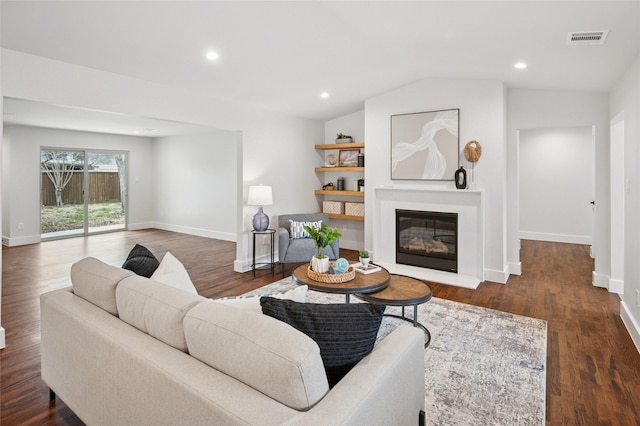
[{"x": 103, "y": 187}]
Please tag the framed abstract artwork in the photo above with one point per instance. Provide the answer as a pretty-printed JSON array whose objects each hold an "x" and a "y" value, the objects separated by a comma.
[{"x": 425, "y": 145}]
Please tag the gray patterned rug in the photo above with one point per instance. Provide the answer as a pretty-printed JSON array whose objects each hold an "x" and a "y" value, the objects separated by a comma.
[{"x": 482, "y": 367}]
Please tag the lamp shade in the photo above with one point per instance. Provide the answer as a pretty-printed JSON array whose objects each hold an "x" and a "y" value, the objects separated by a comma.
[{"x": 260, "y": 196}]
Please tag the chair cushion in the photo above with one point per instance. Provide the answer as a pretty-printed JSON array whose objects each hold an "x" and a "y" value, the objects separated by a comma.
[
  {"x": 298, "y": 231},
  {"x": 141, "y": 261},
  {"x": 345, "y": 332}
]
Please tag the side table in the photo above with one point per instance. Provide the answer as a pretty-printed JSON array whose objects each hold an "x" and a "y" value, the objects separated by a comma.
[
  {"x": 270, "y": 233},
  {"x": 403, "y": 291}
]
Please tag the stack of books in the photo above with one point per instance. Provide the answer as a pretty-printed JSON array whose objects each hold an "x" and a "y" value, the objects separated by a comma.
[{"x": 369, "y": 269}]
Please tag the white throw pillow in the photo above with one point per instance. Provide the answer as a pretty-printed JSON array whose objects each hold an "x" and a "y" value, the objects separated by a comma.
[
  {"x": 252, "y": 303},
  {"x": 172, "y": 273}
]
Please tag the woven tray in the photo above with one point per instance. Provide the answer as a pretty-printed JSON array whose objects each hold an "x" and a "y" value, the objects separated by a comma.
[{"x": 331, "y": 278}]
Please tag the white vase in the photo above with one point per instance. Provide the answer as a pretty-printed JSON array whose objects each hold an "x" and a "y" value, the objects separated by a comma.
[
  {"x": 365, "y": 261},
  {"x": 320, "y": 266}
]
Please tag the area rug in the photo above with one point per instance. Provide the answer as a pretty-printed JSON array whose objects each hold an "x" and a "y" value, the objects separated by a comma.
[{"x": 482, "y": 367}]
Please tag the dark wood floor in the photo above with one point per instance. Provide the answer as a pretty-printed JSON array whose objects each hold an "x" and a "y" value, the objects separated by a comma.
[{"x": 593, "y": 368}]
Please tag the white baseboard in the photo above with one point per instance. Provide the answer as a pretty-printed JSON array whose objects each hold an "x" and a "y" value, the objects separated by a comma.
[
  {"x": 630, "y": 322},
  {"x": 515, "y": 268},
  {"x": 496, "y": 276},
  {"x": 21, "y": 241},
  {"x": 225, "y": 236},
  {"x": 2, "y": 341},
  {"x": 599, "y": 280},
  {"x": 139, "y": 226},
  {"x": 616, "y": 286},
  {"x": 557, "y": 238},
  {"x": 244, "y": 265}
]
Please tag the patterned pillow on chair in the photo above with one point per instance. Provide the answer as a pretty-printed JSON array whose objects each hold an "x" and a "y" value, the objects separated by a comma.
[{"x": 297, "y": 228}]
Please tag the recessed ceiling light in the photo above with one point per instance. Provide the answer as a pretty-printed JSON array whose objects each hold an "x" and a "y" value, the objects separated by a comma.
[
  {"x": 324, "y": 95},
  {"x": 520, "y": 65},
  {"x": 212, "y": 56}
]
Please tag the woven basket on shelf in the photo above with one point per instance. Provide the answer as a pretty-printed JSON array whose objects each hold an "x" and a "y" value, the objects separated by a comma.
[{"x": 331, "y": 278}]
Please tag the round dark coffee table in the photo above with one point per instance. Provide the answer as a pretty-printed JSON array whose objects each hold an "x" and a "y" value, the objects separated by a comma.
[
  {"x": 361, "y": 284},
  {"x": 403, "y": 291}
]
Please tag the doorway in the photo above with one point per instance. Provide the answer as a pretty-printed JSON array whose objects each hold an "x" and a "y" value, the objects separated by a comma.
[
  {"x": 556, "y": 184},
  {"x": 82, "y": 192}
]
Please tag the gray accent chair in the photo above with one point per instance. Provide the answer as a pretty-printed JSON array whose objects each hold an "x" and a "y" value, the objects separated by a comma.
[{"x": 301, "y": 249}]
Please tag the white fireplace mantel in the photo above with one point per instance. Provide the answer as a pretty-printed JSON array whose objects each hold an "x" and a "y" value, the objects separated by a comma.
[{"x": 468, "y": 204}]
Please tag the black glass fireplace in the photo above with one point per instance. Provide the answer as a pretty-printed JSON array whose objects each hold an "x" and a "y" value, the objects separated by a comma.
[{"x": 427, "y": 239}]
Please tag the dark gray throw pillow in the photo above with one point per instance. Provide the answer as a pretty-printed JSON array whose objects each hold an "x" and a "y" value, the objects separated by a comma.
[
  {"x": 141, "y": 261},
  {"x": 345, "y": 332}
]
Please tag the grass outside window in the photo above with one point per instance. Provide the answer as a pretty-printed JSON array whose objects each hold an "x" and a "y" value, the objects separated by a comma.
[{"x": 70, "y": 217}]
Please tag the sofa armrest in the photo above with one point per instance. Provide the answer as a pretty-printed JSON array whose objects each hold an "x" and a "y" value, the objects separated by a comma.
[
  {"x": 283, "y": 243},
  {"x": 386, "y": 387}
]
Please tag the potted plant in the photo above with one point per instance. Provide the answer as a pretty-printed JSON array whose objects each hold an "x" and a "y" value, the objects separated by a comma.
[
  {"x": 322, "y": 238},
  {"x": 342, "y": 138},
  {"x": 364, "y": 257}
]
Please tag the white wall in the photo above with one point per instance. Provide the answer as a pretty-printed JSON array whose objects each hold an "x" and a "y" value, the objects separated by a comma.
[
  {"x": 625, "y": 99},
  {"x": 535, "y": 109},
  {"x": 196, "y": 179},
  {"x": 556, "y": 184},
  {"x": 21, "y": 186},
  {"x": 277, "y": 149},
  {"x": 2, "y": 161},
  {"x": 352, "y": 125},
  {"x": 482, "y": 118}
]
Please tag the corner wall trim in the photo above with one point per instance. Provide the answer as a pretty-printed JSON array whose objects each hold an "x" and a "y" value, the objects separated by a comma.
[{"x": 599, "y": 280}]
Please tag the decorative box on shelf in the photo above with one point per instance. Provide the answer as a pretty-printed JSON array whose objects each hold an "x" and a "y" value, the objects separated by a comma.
[
  {"x": 354, "y": 209},
  {"x": 335, "y": 207}
]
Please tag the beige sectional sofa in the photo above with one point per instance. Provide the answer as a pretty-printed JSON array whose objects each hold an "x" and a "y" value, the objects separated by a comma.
[{"x": 120, "y": 349}]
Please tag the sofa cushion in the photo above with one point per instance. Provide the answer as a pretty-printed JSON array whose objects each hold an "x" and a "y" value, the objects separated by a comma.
[
  {"x": 141, "y": 261},
  {"x": 298, "y": 231},
  {"x": 96, "y": 282},
  {"x": 345, "y": 332},
  {"x": 259, "y": 351},
  {"x": 252, "y": 303},
  {"x": 172, "y": 273},
  {"x": 155, "y": 308}
]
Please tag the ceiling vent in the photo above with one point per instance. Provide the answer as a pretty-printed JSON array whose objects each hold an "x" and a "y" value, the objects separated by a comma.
[{"x": 587, "y": 37}]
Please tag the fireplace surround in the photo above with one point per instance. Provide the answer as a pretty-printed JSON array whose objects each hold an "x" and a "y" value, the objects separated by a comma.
[{"x": 467, "y": 204}]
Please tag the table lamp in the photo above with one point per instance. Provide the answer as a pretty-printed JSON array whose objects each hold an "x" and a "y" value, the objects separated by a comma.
[{"x": 260, "y": 196}]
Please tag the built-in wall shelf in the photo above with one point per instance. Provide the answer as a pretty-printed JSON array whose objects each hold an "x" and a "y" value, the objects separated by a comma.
[
  {"x": 352, "y": 145},
  {"x": 339, "y": 169},
  {"x": 335, "y": 193},
  {"x": 345, "y": 217},
  {"x": 343, "y": 193}
]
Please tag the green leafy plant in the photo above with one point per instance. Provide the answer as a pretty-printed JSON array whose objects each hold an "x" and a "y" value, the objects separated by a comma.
[
  {"x": 363, "y": 253},
  {"x": 343, "y": 136},
  {"x": 322, "y": 237}
]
